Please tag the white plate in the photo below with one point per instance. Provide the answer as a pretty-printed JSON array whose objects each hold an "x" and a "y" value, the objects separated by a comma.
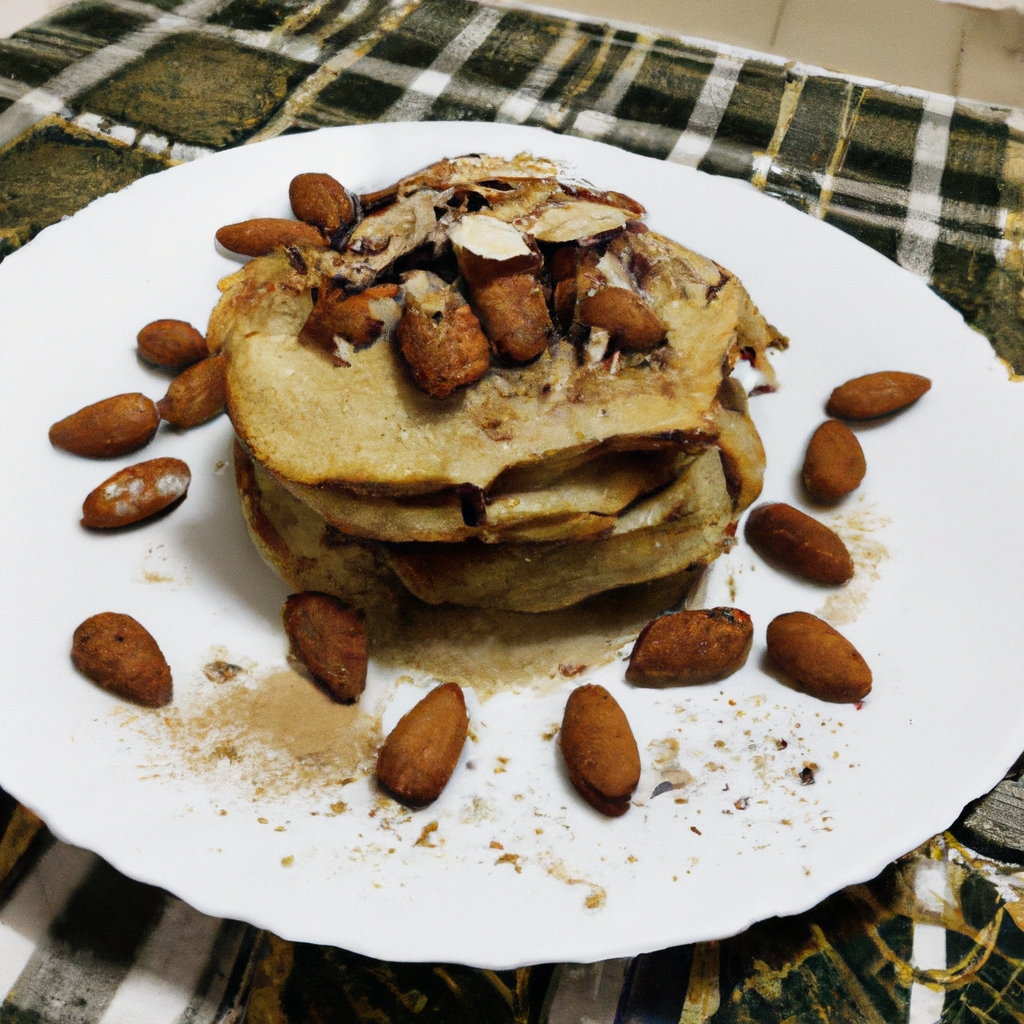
[{"x": 938, "y": 618}]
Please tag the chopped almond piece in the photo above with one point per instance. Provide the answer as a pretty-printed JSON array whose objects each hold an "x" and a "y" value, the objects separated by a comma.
[
  {"x": 440, "y": 337},
  {"x": 360, "y": 319}
]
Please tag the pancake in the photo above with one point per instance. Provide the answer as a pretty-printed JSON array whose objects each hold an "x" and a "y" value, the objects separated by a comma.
[
  {"x": 596, "y": 441},
  {"x": 369, "y": 428},
  {"x": 310, "y": 555}
]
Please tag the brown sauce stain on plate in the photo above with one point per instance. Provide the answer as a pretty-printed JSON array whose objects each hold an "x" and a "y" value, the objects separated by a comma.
[
  {"x": 857, "y": 528},
  {"x": 493, "y": 651},
  {"x": 277, "y": 736}
]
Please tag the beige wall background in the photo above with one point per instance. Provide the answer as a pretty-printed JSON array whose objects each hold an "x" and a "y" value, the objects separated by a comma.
[{"x": 947, "y": 47}]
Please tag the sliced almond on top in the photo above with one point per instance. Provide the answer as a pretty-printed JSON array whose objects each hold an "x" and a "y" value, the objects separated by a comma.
[
  {"x": 489, "y": 238},
  {"x": 625, "y": 316},
  {"x": 607, "y": 297},
  {"x": 569, "y": 220},
  {"x": 357, "y": 319}
]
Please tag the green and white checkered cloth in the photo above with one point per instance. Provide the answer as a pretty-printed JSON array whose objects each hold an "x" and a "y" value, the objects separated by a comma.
[{"x": 105, "y": 91}]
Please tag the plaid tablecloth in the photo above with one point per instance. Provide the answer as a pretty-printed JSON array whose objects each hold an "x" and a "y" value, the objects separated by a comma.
[{"x": 106, "y": 91}]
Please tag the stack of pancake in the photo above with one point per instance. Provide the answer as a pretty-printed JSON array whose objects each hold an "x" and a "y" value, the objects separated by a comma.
[{"x": 601, "y": 443}]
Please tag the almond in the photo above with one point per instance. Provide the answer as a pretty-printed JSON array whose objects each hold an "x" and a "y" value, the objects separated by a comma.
[
  {"x": 818, "y": 658},
  {"x": 690, "y": 647},
  {"x": 171, "y": 343},
  {"x": 513, "y": 312},
  {"x": 321, "y": 200},
  {"x": 115, "y": 426},
  {"x": 794, "y": 541},
  {"x": 265, "y": 234},
  {"x": 197, "y": 394},
  {"x": 834, "y": 463},
  {"x": 565, "y": 302},
  {"x": 421, "y": 752},
  {"x": 135, "y": 493},
  {"x": 440, "y": 337},
  {"x": 360, "y": 319},
  {"x": 562, "y": 264},
  {"x": 120, "y": 655},
  {"x": 600, "y": 752},
  {"x": 329, "y": 638},
  {"x": 500, "y": 266},
  {"x": 876, "y": 394},
  {"x": 625, "y": 316}
]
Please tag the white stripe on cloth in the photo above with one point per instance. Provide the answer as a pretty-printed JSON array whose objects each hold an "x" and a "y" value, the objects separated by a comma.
[
  {"x": 921, "y": 229},
  {"x": 624, "y": 75},
  {"x": 416, "y": 103},
  {"x": 10, "y": 90},
  {"x": 522, "y": 103},
  {"x": 931, "y": 888},
  {"x": 40, "y": 896},
  {"x": 160, "y": 985},
  {"x": 40, "y": 103},
  {"x": 706, "y": 116},
  {"x": 600, "y": 120},
  {"x": 960, "y": 238}
]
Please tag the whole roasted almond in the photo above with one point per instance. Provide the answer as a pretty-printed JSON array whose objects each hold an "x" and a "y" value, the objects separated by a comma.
[
  {"x": 600, "y": 752},
  {"x": 120, "y": 655},
  {"x": 876, "y": 394},
  {"x": 834, "y": 462},
  {"x": 421, "y": 752},
  {"x": 135, "y": 493},
  {"x": 115, "y": 426},
  {"x": 440, "y": 337},
  {"x": 196, "y": 394},
  {"x": 500, "y": 269},
  {"x": 321, "y": 200},
  {"x": 690, "y": 647},
  {"x": 513, "y": 312},
  {"x": 818, "y": 658},
  {"x": 625, "y": 316},
  {"x": 792, "y": 540},
  {"x": 171, "y": 343},
  {"x": 329, "y": 638},
  {"x": 265, "y": 234}
]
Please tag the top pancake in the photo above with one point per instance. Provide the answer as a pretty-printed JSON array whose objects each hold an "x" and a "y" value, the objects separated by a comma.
[{"x": 369, "y": 428}]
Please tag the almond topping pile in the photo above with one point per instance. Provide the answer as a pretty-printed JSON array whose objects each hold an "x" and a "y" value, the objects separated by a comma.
[{"x": 455, "y": 276}]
